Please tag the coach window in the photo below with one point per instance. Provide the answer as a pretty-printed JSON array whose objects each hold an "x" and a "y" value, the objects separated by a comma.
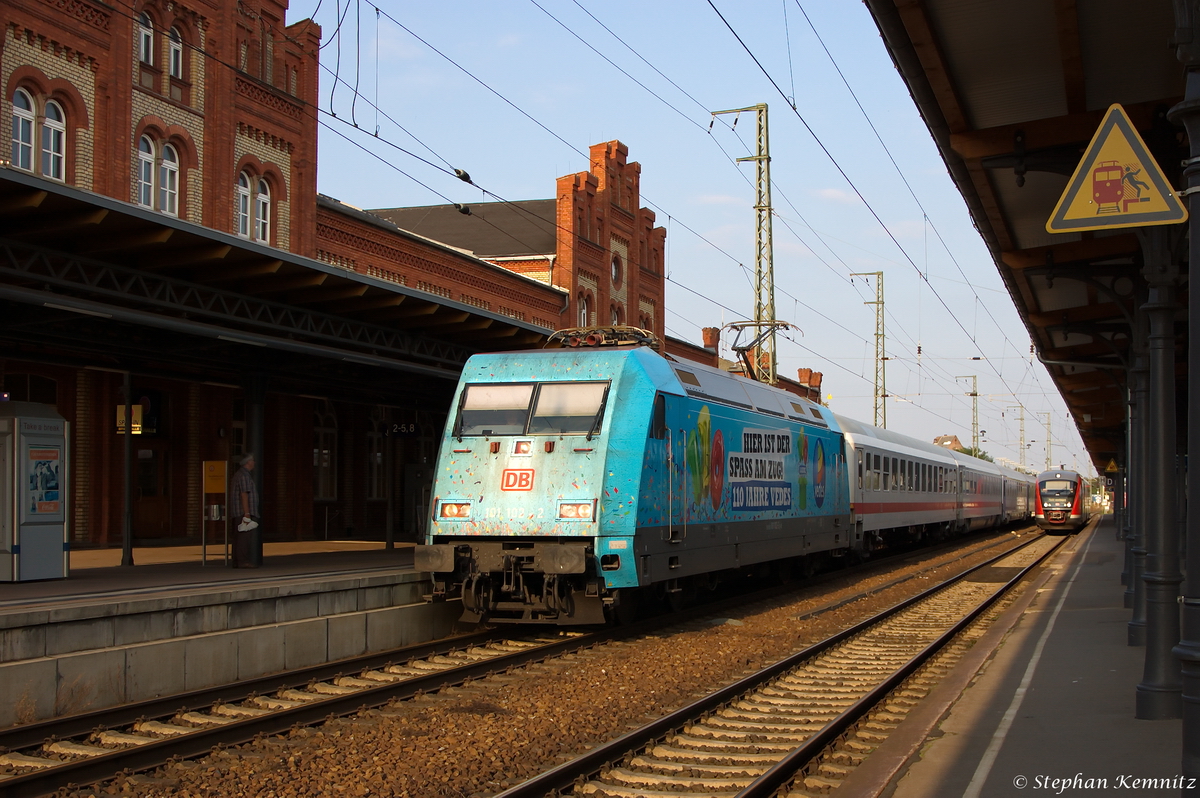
[
  {"x": 876, "y": 484},
  {"x": 887, "y": 473},
  {"x": 860, "y": 468}
]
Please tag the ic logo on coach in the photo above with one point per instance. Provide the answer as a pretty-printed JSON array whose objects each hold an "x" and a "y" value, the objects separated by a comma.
[{"x": 516, "y": 479}]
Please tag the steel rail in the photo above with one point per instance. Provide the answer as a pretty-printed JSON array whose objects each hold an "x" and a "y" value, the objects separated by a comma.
[
  {"x": 786, "y": 769},
  {"x": 202, "y": 740},
  {"x": 32, "y": 734},
  {"x": 569, "y": 773}
]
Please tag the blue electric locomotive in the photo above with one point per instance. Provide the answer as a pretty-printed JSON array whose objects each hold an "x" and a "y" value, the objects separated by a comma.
[
  {"x": 568, "y": 475},
  {"x": 570, "y": 478}
]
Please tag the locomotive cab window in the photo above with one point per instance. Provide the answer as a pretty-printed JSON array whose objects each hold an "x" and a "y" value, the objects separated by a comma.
[
  {"x": 494, "y": 409},
  {"x": 1058, "y": 487},
  {"x": 568, "y": 408}
]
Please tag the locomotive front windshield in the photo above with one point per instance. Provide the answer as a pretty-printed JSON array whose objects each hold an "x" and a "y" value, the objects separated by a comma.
[
  {"x": 1058, "y": 487},
  {"x": 553, "y": 408}
]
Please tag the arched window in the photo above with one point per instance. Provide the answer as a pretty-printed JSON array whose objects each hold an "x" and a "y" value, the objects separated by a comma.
[
  {"x": 616, "y": 270},
  {"x": 54, "y": 141},
  {"x": 262, "y": 212},
  {"x": 145, "y": 39},
  {"x": 616, "y": 315},
  {"x": 241, "y": 210},
  {"x": 252, "y": 219},
  {"x": 584, "y": 311},
  {"x": 175, "y": 62},
  {"x": 22, "y": 130},
  {"x": 145, "y": 172},
  {"x": 168, "y": 181},
  {"x": 160, "y": 175}
]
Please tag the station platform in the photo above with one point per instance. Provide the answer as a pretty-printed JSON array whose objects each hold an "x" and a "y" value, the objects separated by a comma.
[
  {"x": 1047, "y": 694},
  {"x": 108, "y": 634}
]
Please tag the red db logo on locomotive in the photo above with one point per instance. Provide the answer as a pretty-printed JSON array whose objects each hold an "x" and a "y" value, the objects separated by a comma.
[{"x": 516, "y": 479}]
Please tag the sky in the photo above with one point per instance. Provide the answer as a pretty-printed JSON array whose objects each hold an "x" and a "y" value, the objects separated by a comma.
[{"x": 515, "y": 91}]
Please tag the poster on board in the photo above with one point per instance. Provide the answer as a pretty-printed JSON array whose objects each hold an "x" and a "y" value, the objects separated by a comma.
[{"x": 43, "y": 466}]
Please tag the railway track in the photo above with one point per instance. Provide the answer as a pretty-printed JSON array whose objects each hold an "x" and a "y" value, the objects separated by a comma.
[
  {"x": 43, "y": 757},
  {"x": 800, "y": 725},
  {"x": 40, "y": 758}
]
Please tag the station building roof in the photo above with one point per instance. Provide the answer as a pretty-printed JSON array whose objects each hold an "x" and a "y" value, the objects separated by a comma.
[
  {"x": 490, "y": 230},
  {"x": 91, "y": 281}
]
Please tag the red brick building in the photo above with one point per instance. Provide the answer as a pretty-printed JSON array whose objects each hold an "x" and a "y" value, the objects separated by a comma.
[
  {"x": 593, "y": 240},
  {"x": 162, "y": 229}
]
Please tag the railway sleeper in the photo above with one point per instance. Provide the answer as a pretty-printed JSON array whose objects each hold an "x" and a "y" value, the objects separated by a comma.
[
  {"x": 712, "y": 769},
  {"x": 162, "y": 729},
  {"x": 201, "y": 719},
  {"x": 812, "y": 714},
  {"x": 74, "y": 749},
  {"x": 768, "y": 723},
  {"x": 754, "y": 735},
  {"x": 121, "y": 738},
  {"x": 235, "y": 711},
  {"x": 336, "y": 688},
  {"x": 632, "y": 778},
  {"x": 17, "y": 760},
  {"x": 723, "y": 746},
  {"x": 668, "y": 751}
]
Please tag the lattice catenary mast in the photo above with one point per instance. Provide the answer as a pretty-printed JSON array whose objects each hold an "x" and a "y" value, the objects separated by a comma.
[
  {"x": 765, "y": 324},
  {"x": 880, "y": 350}
]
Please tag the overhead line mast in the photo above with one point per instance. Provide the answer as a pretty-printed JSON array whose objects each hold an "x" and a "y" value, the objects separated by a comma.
[
  {"x": 881, "y": 393},
  {"x": 763, "y": 361}
]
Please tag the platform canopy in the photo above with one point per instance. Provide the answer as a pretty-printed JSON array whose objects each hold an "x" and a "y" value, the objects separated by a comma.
[
  {"x": 89, "y": 281},
  {"x": 1013, "y": 92}
]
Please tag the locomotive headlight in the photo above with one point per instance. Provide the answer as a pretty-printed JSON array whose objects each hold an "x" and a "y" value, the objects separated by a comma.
[
  {"x": 581, "y": 511},
  {"x": 455, "y": 510},
  {"x": 523, "y": 447}
]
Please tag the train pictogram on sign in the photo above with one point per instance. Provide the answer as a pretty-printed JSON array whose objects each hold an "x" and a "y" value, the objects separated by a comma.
[{"x": 1117, "y": 184}]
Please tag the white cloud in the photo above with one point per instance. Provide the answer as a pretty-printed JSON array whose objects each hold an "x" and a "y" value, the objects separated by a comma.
[{"x": 837, "y": 195}]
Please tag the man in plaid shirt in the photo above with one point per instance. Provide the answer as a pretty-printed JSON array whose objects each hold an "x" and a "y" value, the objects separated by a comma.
[{"x": 245, "y": 497}]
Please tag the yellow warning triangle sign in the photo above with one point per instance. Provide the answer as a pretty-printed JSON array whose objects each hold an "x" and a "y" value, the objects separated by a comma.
[
  {"x": 1111, "y": 468},
  {"x": 1117, "y": 184}
]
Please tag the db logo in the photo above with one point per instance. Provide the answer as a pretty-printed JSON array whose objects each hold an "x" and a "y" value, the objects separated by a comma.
[{"x": 516, "y": 479}]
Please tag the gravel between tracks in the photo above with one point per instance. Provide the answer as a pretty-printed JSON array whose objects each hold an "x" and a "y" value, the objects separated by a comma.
[{"x": 478, "y": 739}]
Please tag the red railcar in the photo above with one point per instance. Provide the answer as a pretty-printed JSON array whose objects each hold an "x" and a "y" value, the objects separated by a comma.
[{"x": 1059, "y": 503}]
